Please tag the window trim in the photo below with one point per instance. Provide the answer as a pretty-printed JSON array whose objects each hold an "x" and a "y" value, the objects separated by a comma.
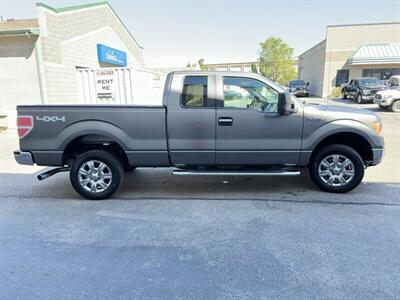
[
  {"x": 221, "y": 101},
  {"x": 209, "y": 102}
]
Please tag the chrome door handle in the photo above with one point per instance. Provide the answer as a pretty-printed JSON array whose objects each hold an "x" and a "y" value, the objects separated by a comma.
[{"x": 225, "y": 121}]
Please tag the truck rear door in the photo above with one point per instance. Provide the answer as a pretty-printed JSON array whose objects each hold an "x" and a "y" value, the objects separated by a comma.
[
  {"x": 191, "y": 120},
  {"x": 250, "y": 130}
]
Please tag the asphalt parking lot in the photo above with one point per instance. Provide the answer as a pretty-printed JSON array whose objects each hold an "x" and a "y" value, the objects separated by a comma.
[{"x": 165, "y": 237}]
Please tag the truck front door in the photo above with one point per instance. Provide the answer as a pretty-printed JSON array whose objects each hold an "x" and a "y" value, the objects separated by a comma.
[{"x": 250, "y": 130}]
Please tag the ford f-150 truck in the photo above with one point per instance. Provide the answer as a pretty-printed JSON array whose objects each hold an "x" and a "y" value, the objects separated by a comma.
[
  {"x": 210, "y": 123},
  {"x": 363, "y": 89}
]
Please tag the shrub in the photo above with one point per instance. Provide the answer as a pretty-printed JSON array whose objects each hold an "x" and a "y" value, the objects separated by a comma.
[{"x": 335, "y": 92}]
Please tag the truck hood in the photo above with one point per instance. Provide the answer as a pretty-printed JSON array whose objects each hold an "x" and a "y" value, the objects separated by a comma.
[
  {"x": 343, "y": 109},
  {"x": 375, "y": 87},
  {"x": 395, "y": 91}
]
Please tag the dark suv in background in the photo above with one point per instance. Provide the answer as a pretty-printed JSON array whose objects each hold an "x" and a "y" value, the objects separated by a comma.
[
  {"x": 363, "y": 89},
  {"x": 299, "y": 88}
]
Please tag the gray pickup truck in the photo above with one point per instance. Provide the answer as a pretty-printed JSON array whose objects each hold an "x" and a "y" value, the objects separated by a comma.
[{"x": 210, "y": 123}]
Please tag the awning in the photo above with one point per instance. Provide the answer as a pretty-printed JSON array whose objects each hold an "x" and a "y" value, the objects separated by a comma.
[{"x": 376, "y": 54}]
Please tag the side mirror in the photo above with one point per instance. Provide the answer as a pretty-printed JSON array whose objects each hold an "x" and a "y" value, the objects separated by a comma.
[
  {"x": 286, "y": 105},
  {"x": 307, "y": 84}
]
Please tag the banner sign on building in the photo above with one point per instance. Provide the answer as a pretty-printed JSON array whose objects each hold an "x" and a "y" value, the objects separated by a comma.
[
  {"x": 106, "y": 85},
  {"x": 110, "y": 55}
]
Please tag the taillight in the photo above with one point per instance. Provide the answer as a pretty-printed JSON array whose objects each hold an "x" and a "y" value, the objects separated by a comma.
[{"x": 24, "y": 125}]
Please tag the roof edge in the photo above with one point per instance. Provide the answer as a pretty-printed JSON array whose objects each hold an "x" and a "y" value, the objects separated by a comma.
[
  {"x": 316, "y": 45},
  {"x": 88, "y": 5},
  {"x": 362, "y": 24},
  {"x": 18, "y": 31},
  {"x": 69, "y": 8}
]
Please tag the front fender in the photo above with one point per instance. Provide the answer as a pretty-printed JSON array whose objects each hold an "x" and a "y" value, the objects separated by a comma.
[{"x": 311, "y": 140}]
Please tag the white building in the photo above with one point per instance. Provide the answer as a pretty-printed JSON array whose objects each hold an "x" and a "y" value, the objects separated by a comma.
[
  {"x": 40, "y": 58},
  {"x": 351, "y": 51}
]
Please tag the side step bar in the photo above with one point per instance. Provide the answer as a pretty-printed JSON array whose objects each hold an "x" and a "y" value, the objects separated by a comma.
[{"x": 234, "y": 173}]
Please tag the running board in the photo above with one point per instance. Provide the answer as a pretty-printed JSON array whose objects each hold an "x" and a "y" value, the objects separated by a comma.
[{"x": 234, "y": 173}]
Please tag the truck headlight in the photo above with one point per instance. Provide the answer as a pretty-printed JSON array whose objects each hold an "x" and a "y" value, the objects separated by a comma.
[
  {"x": 387, "y": 96},
  {"x": 377, "y": 127},
  {"x": 366, "y": 92}
]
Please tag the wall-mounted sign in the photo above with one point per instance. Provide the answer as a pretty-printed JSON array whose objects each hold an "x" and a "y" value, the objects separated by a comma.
[
  {"x": 110, "y": 55},
  {"x": 106, "y": 85}
]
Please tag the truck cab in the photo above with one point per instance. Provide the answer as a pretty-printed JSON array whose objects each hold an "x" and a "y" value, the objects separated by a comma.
[{"x": 230, "y": 119}]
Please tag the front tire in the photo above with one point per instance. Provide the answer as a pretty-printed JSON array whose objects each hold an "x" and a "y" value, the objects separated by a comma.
[
  {"x": 337, "y": 169},
  {"x": 96, "y": 174},
  {"x": 344, "y": 96},
  {"x": 360, "y": 99},
  {"x": 395, "y": 107}
]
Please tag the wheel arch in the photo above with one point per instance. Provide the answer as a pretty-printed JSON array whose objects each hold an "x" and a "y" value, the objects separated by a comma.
[
  {"x": 351, "y": 139},
  {"x": 85, "y": 136}
]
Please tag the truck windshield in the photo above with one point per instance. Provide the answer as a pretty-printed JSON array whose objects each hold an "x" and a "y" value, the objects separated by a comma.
[
  {"x": 296, "y": 82},
  {"x": 370, "y": 82}
]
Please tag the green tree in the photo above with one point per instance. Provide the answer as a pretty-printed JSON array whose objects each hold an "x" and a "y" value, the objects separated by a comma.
[
  {"x": 201, "y": 64},
  {"x": 276, "y": 60},
  {"x": 254, "y": 68}
]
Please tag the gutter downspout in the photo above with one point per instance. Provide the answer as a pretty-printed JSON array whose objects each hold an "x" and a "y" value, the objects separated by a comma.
[{"x": 38, "y": 72}]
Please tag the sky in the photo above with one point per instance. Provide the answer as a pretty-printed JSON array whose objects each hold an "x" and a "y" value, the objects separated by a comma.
[{"x": 180, "y": 31}]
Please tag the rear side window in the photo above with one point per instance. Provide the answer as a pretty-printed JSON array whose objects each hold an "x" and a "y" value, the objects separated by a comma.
[{"x": 194, "y": 93}]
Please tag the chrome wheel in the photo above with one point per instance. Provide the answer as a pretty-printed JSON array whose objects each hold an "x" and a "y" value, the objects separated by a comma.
[
  {"x": 336, "y": 170},
  {"x": 94, "y": 176},
  {"x": 396, "y": 106}
]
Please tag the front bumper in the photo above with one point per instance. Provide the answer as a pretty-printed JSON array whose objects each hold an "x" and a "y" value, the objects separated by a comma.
[
  {"x": 382, "y": 102},
  {"x": 368, "y": 97},
  {"x": 23, "y": 158},
  {"x": 303, "y": 93},
  {"x": 377, "y": 154}
]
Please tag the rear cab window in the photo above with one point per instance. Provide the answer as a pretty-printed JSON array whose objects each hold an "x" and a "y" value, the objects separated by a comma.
[{"x": 194, "y": 92}]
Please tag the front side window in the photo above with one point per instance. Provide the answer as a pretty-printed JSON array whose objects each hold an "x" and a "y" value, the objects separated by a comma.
[
  {"x": 249, "y": 93},
  {"x": 194, "y": 92}
]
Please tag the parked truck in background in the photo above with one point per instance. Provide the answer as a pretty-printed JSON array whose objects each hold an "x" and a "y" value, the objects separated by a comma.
[
  {"x": 363, "y": 89},
  {"x": 299, "y": 88},
  {"x": 390, "y": 98},
  {"x": 210, "y": 123}
]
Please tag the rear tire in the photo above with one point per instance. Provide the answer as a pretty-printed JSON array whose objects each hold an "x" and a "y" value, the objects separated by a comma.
[
  {"x": 340, "y": 177},
  {"x": 96, "y": 174}
]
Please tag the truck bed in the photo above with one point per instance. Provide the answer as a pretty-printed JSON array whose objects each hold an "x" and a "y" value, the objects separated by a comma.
[{"x": 139, "y": 130}]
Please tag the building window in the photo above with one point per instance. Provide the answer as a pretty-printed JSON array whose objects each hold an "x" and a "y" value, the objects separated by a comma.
[
  {"x": 342, "y": 76},
  {"x": 384, "y": 74}
]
